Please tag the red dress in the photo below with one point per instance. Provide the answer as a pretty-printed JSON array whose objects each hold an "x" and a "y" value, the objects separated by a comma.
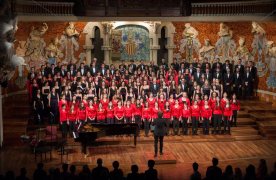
[
  {"x": 100, "y": 115},
  {"x": 176, "y": 111},
  {"x": 72, "y": 116},
  {"x": 195, "y": 111},
  {"x": 151, "y": 102},
  {"x": 166, "y": 113},
  {"x": 206, "y": 112},
  {"x": 161, "y": 104},
  {"x": 186, "y": 113},
  {"x": 146, "y": 113},
  {"x": 182, "y": 100},
  {"x": 223, "y": 102},
  {"x": 128, "y": 112},
  {"x": 217, "y": 110},
  {"x": 91, "y": 112},
  {"x": 63, "y": 115},
  {"x": 235, "y": 105},
  {"x": 81, "y": 114},
  {"x": 137, "y": 111},
  {"x": 110, "y": 113},
  {"x": 119, "y": 112},
  {"x": 61, "y": 103},
  {"x": 104, "y": 103},
  {"x": 154, "y": 113},
  {"x": 227, "y": 111}
]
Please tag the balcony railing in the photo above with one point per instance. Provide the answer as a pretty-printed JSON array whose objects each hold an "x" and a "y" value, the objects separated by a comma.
[
  {"x": 43, "y": 8},
  {"x": 233, "y": 8}
]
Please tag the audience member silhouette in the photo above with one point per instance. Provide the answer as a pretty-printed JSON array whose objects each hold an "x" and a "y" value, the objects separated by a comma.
[
  {"x": 228, "y": 174},
  {"x": 22, "y": 176},
  {"x": 262, "y": 170},
  {"x": 65, "y": 174},
  {"x": 214, "y": 172},
  {"x": 116, "y": 173},
  {"x": 196, "y": 175},
  {"x": 238, "y": 174},
  {"x": 134, "y": 175},
  {"x": 39, "y": 173},
  {"x": 151, "y": 173},
  {"x": 85, "y": 174},
  {"x": 250, "y": 173},
  {"x": 100, "y": 172},
  {"x": 9, "y": 175},
  {"x": 73, "y": 175},
  {"x": 273, "y": 173}
]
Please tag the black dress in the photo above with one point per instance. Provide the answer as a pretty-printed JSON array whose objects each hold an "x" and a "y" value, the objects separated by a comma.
[
  {"x": 112, "y": 92},
  {"x": 54, "y": 105}
]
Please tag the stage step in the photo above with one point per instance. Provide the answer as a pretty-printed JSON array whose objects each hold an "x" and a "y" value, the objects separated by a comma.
[
  {"x": 243, "y": 114},
  {"x": 245, "y": 121},
  {"x": 267, "y": 116},
  {"x": 254, "y": 103},
  {"x": 267, "y": 128},
  {"x": 248, "y": 138}
]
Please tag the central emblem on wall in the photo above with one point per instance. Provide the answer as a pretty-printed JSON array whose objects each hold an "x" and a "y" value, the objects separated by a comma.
[{"x": 130, "y": 42}]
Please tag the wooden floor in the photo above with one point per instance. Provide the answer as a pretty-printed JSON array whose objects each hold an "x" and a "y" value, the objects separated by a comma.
[{"x": 254, "y": 138}]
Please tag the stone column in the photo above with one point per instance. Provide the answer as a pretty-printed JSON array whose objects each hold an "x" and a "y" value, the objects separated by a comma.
[
  {"x": 154, "y": 48},
  {"x": 170, "y": 46},
  {"x": 106, "y": 43},
  {"x": 1, "y": 118}
]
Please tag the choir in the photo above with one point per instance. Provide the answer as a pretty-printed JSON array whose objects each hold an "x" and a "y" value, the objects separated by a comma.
[{"x": 188, "y": 94}]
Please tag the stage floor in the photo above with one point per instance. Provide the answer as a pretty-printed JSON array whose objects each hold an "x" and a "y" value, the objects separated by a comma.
[{"x": 174, "y": 164}]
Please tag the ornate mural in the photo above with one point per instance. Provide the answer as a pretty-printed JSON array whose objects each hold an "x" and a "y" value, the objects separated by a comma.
[{"x": 130, "y": 42}]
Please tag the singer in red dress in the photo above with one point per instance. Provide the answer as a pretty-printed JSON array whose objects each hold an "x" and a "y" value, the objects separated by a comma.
[
  {"x": 146, "y": 117},
  {"x": 128, "y": 112},
  {"x": 217, "y": 114},
  {"x": 72, "y": 118},
  {"x": 176, "y": 116},
  {"x": 167, "y": 116},
  {"x": 91, "y": 112},
  {"x": 195, "y": 116},
  {"x": 137, "y": 112},
  {"x": 63, "y": 120},
  {"x": 110, "y": 113},
  {"x": 227, "y": 117},
  {"x": 101, "y": 114},
  {"x": 186, "y": 117},
  {"x": 81, "y": 113},
  {"x": 119, "y": 113},
  {"x": 235, "y": 105},
  {"x": 206, "y": 115}
]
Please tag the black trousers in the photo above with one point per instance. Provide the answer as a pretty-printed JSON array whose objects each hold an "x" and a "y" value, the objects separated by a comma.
[
  {"x": 234, "y": 117},
  {"x": 185, "y": 126},
  {"x": 137, "y": 120},
  {"x": 175, "y": 125},
  {"x": 227, "y": 124},
  {"x": 194, "y": 124},
  {"x": 128, "y": 119},
  {"x": 205, "y": 125},
  {"x": 117, "y": 121},
  {"x": 64, "y": 129},
  {"x": 217, "y": 123},
  {"x": 168, "y": 122},
  {"x": 147, "y": 126},
  {"x": 71, "y": 127},
  {"x": 238, "y": 91},
  {"x": 110, "y": 120},
  {"x": 160, "y": 138}
]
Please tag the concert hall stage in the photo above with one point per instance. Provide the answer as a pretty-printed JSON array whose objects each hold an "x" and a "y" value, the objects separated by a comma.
[{"x": 254, "y": 138}]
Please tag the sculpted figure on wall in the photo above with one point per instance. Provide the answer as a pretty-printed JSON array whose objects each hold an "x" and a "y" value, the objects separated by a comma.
[
  {"x": 225, "y": 46},
  {"x": 258, "y": 47},
  {"x": 242, "y": 51},
  {"x": 271, "y": 61},
  {"x": 207, "y": 51},
  {"x": 190, "y": 42},
  {"x": 35, "y": 55},
  {"x": 69, "y": 43},
  {"x": 52, "y": 51}
]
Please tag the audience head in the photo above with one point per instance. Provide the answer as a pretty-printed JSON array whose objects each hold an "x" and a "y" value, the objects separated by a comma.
[
  {"x": 134, "y": 168},
  {"x": 151, "y": 163},
  {"x": 195, "y": 166},
  {"x": 65, "y": 167},
  {"x": 99, "y": 162},
  {"x": 115, "y": 164},
  {"x": 215, "y": 161}
]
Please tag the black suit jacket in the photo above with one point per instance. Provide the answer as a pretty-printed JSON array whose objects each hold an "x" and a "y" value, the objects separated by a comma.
[
  {"x": 183, "y": 87},
  {"x": 227, "y": 79},
  {"x": 241, "y": 68},
  {"x": 160, "y": 127},
  {"x": 154, "y": 90},
  {"x": 217, "y": 75},
  {"x": 237, "y": 80},
  {"x": 133, "y": 66}
]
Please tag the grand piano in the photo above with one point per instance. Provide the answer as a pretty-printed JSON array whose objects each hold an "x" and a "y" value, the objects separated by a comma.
[{"x": 87, "y": 133}]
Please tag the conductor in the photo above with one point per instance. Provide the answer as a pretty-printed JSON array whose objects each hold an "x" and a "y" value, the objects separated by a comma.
[{"x": 159, "y": 132}]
